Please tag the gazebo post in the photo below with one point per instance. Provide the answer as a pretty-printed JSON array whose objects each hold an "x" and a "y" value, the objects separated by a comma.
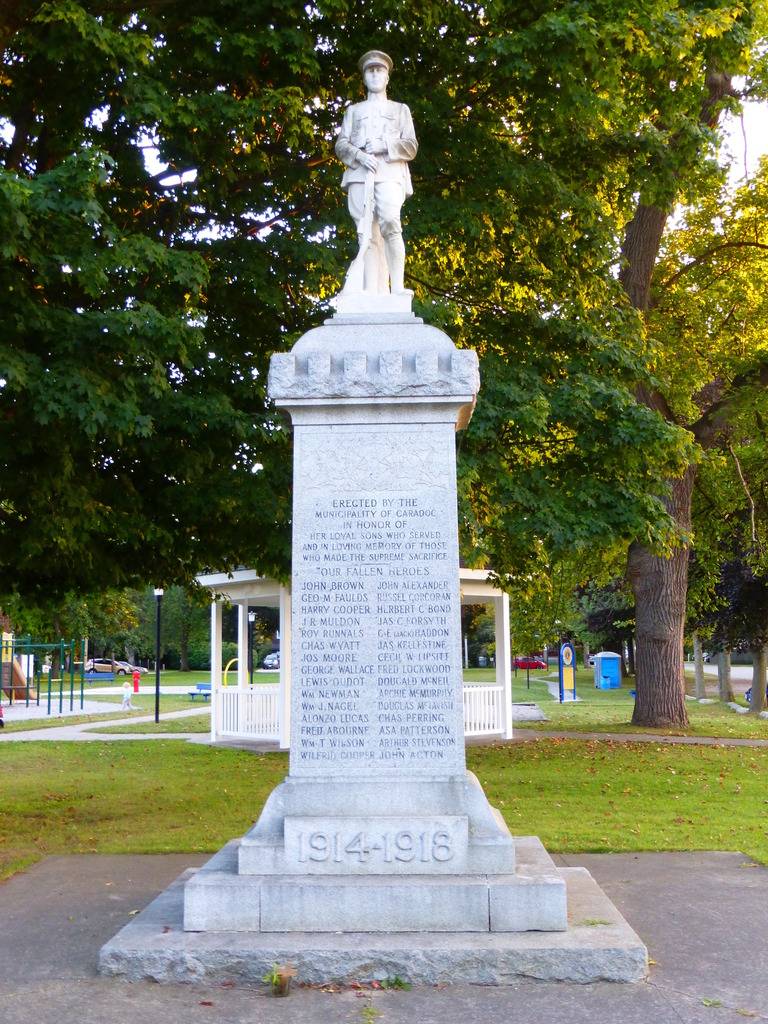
[
  {"x": 504, "y": 658},
  {"x": 284, "y": 694},
  {"x": 216, "y": 623},
  {"x": 242, "y": 648}
]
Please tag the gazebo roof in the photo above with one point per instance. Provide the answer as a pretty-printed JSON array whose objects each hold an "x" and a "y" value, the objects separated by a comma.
[{"x": 245, "y": 586}]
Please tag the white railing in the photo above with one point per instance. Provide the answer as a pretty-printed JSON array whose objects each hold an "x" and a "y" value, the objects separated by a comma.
[
  {"x": 251, "y": 713},
  {"x": 254, "y": 713},
  {"x": 483, "y": 710}
]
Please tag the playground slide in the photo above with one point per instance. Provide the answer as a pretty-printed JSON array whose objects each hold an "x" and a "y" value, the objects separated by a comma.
[{"x": 14, "y": 684}]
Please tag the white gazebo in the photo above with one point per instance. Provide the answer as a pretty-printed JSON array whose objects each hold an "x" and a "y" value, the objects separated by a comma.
[{"x": 241, "y": 711}]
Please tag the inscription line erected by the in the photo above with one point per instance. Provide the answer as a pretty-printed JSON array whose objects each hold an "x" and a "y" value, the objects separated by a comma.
[{"x": 376, "y": 663}]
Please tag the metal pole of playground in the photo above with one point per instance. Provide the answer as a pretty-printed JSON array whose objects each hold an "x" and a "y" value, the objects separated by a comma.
[
  {"x": 61, "y": 677},
  {"x": 82, "y": 673},
  {"x": 71, "y": 675},
  {"x": 158, "y": 599},
  {"x": 26, "y": 675}
]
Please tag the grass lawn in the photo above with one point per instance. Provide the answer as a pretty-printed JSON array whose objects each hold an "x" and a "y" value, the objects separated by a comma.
[
  {"x": 164, "y": 796},
  {"x": 611, "y": 711},
  {"x": 195, "y": 723},
  {"x": 172, "y": 677}
]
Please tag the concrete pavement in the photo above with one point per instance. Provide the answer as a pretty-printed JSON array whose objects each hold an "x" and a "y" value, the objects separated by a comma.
[{"x": 702, "y": 916}]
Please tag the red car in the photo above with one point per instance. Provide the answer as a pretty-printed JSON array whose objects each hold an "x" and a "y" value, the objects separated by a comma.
[{"x": 530, "y": 663}]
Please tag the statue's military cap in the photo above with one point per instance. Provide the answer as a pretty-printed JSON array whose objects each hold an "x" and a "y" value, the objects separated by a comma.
[{"x": 375, "y": 57}]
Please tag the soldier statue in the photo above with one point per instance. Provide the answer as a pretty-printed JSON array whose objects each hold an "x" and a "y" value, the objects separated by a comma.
[{"x": 376, "y": 143}]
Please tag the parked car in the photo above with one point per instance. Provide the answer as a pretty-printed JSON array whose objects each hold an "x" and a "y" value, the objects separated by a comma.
[
  {"x": 133, "y": 668},
  {"x": 271, "y": 660},
  {"x": 748, "y": 695},
  {"x": 530, "y": 662},
  {"x": 99, "y": 665},
  {"x": 120, "y": 668}
]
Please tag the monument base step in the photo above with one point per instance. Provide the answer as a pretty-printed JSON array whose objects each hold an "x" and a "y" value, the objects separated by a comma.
[
  {"x": 532, "y": 898},
  {"x": 339, "y": 809},
  {"x": 598, "y": 945}
]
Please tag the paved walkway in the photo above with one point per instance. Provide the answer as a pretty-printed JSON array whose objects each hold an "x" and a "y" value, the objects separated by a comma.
[
  {"x": 702, "y": 916},
  {"x": 739, "y": 673},
  {"x": 87, "y": 731},
  {"x": 22, "y": 712}
]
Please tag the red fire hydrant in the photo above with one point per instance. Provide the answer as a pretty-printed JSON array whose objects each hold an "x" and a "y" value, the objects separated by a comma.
[{"x": 136, "y": 678}]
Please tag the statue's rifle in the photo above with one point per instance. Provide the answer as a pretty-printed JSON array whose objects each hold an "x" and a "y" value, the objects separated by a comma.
[{"x": 354, "y": 279}]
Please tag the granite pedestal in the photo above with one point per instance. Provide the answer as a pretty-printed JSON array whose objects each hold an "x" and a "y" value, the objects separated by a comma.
[{"x": 379, "y": 830}]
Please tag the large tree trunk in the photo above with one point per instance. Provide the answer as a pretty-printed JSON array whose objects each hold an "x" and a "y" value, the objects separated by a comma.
[
  {"x": 631, "y": 655},
  {"x": 639, "y": 253},
  {"x": 759, "y": 666},
  {"x": 724, "y": 686},
  {"x": 660, "y": 586},
  {"x": 184, "y": 648}
]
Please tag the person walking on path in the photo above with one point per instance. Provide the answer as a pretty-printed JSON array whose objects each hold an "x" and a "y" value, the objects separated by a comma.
[{"x": 126, "y": 704}]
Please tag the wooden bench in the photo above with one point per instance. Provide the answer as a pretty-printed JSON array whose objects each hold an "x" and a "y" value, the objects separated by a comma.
[{"x": 201, "y": 690}]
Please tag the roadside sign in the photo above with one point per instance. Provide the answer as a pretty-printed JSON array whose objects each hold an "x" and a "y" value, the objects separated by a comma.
[{"x": 567, "y": 671}]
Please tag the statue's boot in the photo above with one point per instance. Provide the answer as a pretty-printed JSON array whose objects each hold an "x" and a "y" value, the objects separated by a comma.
[{"x": 395, "y": 250}]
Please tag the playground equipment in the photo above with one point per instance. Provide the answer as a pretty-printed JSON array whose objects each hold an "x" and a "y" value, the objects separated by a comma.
[
  {"x": 230, "y": 663},
  {"x": 26, "y": 673}
]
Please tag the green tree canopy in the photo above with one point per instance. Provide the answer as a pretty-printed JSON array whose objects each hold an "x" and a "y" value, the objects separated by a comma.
[{"x": 136, "y": 440}]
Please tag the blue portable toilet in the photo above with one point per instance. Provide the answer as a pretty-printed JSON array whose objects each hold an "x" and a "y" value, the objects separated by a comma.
[{"x": 607, "y": 671}]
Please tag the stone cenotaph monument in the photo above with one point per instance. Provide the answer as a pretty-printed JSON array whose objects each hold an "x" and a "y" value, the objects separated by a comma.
[{"x": 379, "y": 854}]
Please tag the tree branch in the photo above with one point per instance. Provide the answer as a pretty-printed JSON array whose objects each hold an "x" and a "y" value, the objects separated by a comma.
[
  {"x": 707, "y": 255},
  {"x": 455, "y": 297},
  {"x": 712, "y": 422},
  {"x": 655, "y": 400},
  {"x": 750, "y": 499}
]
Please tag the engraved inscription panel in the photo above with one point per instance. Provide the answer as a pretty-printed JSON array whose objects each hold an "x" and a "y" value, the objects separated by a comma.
[
  {"x": 376, "y": 677},
  {"x": 376, "y": 845}
]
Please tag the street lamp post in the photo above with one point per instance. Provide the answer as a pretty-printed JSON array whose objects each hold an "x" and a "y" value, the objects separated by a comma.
[
  {"x": 251, "y": 620},
  {"x": 158, "y": 602}
]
